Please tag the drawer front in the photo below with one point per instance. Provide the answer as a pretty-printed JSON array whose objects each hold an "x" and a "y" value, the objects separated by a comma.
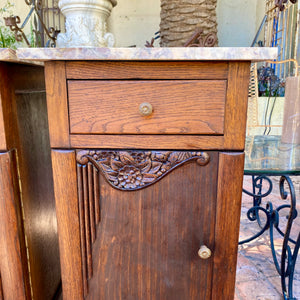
[{"x": 178, "y": 106}]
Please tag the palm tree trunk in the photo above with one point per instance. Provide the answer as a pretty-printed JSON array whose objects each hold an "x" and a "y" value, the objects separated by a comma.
[{"x": 180, "y": 19}]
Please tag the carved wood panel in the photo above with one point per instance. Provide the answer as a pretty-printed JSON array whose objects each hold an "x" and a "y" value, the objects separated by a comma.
[
  {"x": 89, "y": 215},
  {"x": 133, "y": 170},
  {"x": 127, "y": 173}
]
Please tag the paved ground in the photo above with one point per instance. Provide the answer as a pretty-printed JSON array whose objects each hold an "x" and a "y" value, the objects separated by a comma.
[{"x": 257, "y": 278}]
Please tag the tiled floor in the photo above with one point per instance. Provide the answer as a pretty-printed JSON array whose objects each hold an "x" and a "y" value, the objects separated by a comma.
[{"x": 257, "y": 278}]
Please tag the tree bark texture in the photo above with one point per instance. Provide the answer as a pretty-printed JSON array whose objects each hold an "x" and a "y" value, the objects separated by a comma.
[{"x": 180, "y": 19}]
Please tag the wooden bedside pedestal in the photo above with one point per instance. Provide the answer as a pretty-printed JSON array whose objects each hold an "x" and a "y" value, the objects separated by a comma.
[
  {"x": 147, "y": 157},
  {"x": 29, "y": 256}
]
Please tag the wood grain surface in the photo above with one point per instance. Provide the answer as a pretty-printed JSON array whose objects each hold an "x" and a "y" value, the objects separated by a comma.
[
  {"x": 1, "y": 290},
  {"x": 13, "y": 262},
  {"x": 144, "y": 244},
  {"x": 146, "y": 70},
  {"x": 107, "y": 141},
  {"x": 147, "y": 241},
  {"x": 179, "y": 107},
  {"x": 66, "y": 197},
  {"x": 57, "y": 104},
  {"x": 236, "y": 105},
  {"x": 230, "y": 181},
  {"x": 37, "y": 193},
  {"x": 2, "y": 129},
  {"x": 8, "y": 122},
  {"x": 15, "y": 78},
  {"x": 23, "y": 104}
]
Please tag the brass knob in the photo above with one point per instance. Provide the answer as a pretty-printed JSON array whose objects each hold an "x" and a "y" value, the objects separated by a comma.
[
  {"x": 145, "y": 109},
  {"x": 204, "y": 252}
]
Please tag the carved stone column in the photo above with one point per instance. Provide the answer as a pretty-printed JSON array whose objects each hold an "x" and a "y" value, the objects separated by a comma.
[{"x": 86, "y": 23}]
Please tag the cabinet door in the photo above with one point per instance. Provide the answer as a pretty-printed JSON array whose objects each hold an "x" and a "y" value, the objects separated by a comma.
[
  {"x": 140, "y": 219},
  {"x": 14, "y": 283}
]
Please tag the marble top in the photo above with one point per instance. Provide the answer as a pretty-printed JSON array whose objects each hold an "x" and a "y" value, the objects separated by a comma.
[
  {"x": 8, "y": 55},
  {"x": 217, "y": 53}
]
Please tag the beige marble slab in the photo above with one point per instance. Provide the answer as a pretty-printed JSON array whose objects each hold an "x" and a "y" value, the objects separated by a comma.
[
  {"x": 8, "y": 55},
  {"x": 217, "y": 53}
]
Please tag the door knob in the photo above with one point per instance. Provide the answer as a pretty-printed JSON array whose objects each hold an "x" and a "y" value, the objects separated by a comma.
[
  {"x": 145, "y": 109},
  {"x": 204, "y": 252}
]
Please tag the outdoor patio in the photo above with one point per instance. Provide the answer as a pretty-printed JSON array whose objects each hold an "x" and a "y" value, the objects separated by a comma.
[{"x": 257, "y": 277}]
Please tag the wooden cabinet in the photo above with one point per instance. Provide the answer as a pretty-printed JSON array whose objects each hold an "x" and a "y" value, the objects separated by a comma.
[
  {"x": 29, "y": 256},
  {"x": 148, "y": 204}
]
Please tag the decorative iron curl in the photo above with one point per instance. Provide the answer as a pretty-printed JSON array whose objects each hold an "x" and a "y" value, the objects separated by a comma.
[
  {"x": 286, "y": 265},
  {"x": 257, "y": 184},
  {"x": 198, "y": 40},
  {"x": 281, "y": 3},
  {"x": 210, "y": 40},
  {"x": 36, "y": 6},
  {"x": 252, "y": 215},
  {"x": 288, "y": 256},
  {"x": 39, "y": 5},
  {"x": 257, "y": 195},
  {"x": 29, "y": 2},
  {"x": 12, "y": 22}
]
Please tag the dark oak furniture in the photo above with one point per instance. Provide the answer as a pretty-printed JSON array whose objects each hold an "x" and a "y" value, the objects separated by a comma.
[
  {"x": 29, "y": 256},
  {"x": 147, "y": 158}
]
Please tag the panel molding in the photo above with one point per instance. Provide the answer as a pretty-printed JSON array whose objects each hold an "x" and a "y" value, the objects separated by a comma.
[
  {"x": 66, "y": 199},
  {"x": 13, "y": 260},
  {"x": 134, "y": 170},
  {"x": 229, "y": 196},
  {"x": 143, "y": 168}
]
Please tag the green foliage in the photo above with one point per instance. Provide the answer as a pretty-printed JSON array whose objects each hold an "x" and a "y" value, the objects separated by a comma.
[
  {"x": 7, "y": 37},
  {"x": 32, "y": 36}
]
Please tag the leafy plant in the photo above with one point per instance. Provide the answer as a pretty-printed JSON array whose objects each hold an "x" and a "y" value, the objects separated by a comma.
[
  {"x": 269, "y": 85},
  {"x": 7, "y": 37}
]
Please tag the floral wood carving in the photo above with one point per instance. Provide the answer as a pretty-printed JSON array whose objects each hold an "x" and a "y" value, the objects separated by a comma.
[{"x": 134, "y": 170}]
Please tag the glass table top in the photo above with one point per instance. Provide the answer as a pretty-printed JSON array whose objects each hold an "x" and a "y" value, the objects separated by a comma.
[{"x": 267, "y": 154}]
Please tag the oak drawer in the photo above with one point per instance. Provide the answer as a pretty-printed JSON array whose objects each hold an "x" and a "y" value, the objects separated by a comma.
[{"x": 179, "y": 106}]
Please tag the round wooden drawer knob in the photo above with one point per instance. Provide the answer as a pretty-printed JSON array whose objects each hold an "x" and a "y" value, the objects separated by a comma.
[
  {"x": 145, "y": 109},
  {"x": 204, "y": 252}
]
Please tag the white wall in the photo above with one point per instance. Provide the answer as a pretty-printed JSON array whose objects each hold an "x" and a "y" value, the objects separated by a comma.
[
  {"x": 135, "y": 21},
  {"x": 238, "y": 21}
]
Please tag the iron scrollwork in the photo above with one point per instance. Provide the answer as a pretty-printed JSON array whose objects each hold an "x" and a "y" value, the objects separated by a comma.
[
  {"x": 36, "y": 8},
  {"x": 281, "y": 3},
  {"x": 285, "y": 266},
  {"x": 198, "y": 39},
  {"x": 134, "y": 170},
  {"x": 288, "y": 255}
]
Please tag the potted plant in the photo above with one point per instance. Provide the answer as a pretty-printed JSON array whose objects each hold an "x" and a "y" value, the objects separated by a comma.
[{"x": 7, "y": 37}]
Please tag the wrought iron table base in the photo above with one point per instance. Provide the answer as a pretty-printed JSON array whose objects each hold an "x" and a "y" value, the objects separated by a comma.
[{"x": 286, "y": 266}]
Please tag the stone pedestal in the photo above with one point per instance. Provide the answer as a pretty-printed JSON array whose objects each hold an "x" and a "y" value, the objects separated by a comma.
[{"x": 86, "y": 23}]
